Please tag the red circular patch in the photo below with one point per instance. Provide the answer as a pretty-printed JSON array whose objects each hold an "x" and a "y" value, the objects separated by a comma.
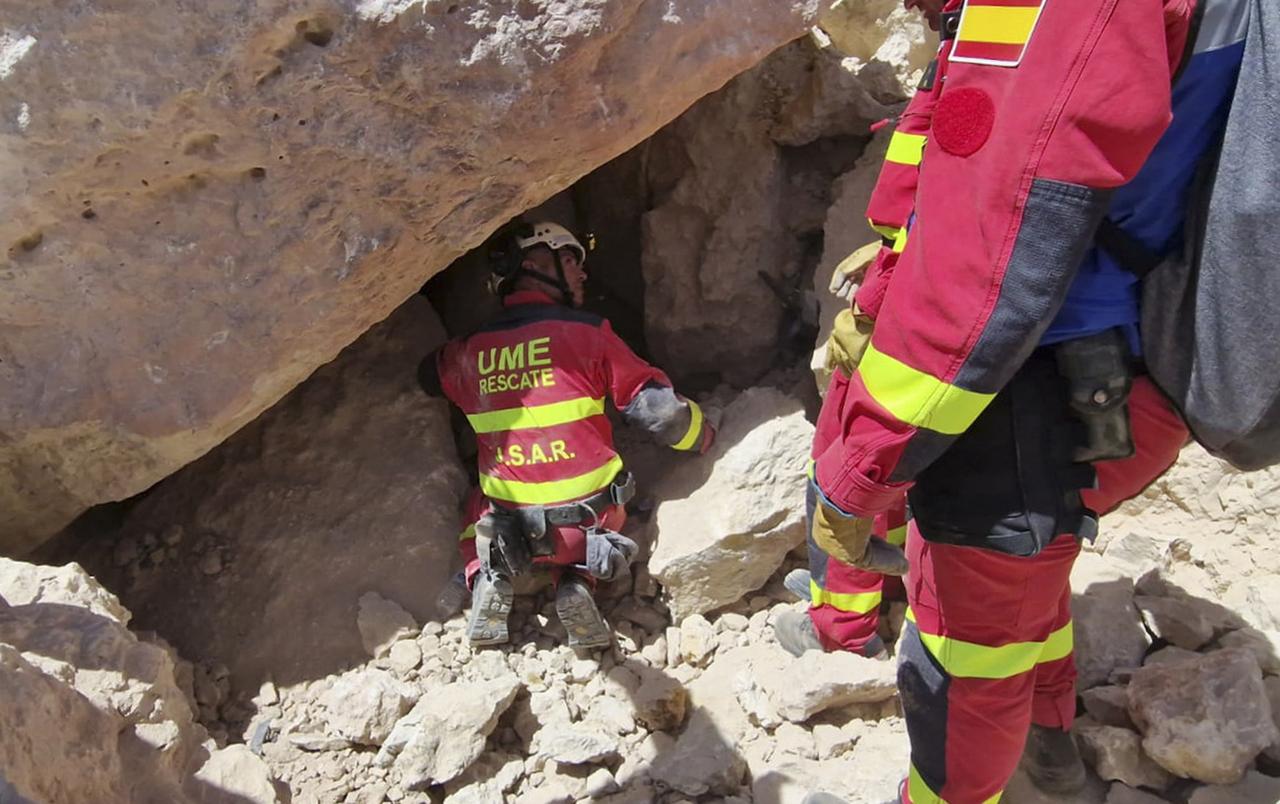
[{"x": 962, "y": 121}]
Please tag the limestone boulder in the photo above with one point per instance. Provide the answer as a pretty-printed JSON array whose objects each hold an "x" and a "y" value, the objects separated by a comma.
[
  {"x": 1178, "y": 622},
  {"x": 363, "y": 706},
  {"x": 1116, "y": 755},
  {"x": 65, "y": 748},
  {"x": 1109, "y": 633},
  {"x": 797, "y": 689},
  {"x": 276, "y": 179},
  {"x": 22, "y": 583},
  {"x": 880, "y": 32},
  {"x": 233, "y": 775},
  {"x": 728, "y": 519},
  {"x": 382, "y": 622},
  {"x": 446, "y": 731},
  {"x": 1206, "y": 719}
]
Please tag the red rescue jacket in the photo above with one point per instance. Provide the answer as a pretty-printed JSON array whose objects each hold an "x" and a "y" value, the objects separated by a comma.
[
  {"x": 1045, "y": 108},
  {"x": 533, "y": 384}
]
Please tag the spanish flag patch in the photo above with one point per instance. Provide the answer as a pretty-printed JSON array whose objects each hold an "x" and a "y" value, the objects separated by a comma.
[{"x": 996, "y": 31}]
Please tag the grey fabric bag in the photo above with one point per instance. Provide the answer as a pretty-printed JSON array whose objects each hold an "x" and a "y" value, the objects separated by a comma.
[{"x": 1211, "y": 316}]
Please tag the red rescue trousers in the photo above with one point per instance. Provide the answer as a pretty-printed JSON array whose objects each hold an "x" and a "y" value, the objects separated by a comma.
[
  {"x": 844, "y": 600},
  {"x": 988, "y": 649}
]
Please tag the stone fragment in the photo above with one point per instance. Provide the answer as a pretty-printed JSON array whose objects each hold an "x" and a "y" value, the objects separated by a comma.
[
  {"x": 404, "y": 657},
  {"x": 723, "y": 534},
  {"x": 1263, "y": 610},
  {"x": 674, "y": 647},
  {"x": 309, "y": 741},
  {"x": 790, "y": 738},
  {"x": 1116, "y": 755},
  {"x": 1108, "y": 705},
  {"x": 574, "y": 745},
  {"x": 1170, "y": 654},
  {"x": 1109, "y": 635},
  {"x": 601, "y": 783},
  {"x": 22, "y": 583},
  {"x": 660, "y": 703},
  {"x": 1272, "y": 686},
  {"x": 1176, "y": 621},
  {"x": 755, "y": 701},
  {"x": 382, "y": 622},
  {"x": 697, "y": 640},
  {"x": 831, "y": 741},
  {"x": 1205, "y": 719},
  {"x": 617, "y": 716},
  {"x": 733, "y": 621},
  {"x": 1264, "y": 645},
  {"x": 800, "y": 688},
  {"x": 363, "y": 706},
  {"x": 446, "y": 731},
  {"x": 236, "y": 774}
]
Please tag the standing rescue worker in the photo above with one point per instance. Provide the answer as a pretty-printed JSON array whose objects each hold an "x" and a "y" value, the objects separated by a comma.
[
  {"x": 844, "y": 600},
  {"x": 997, "y": 385},
  {"x": 533, "y": 383}
]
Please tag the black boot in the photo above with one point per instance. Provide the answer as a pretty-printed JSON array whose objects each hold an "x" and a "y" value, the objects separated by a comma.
[
  {"x": 1053, "y": 762},
  {"x": 576, "y": 608},
  {"x": 795, "y": 633},
  {"x": 491, "y": 597}
]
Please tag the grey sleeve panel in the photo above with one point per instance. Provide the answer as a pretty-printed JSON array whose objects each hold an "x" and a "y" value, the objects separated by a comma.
[{"x": 660, "y": 411}]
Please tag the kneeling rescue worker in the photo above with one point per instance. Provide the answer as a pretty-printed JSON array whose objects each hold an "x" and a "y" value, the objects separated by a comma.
[
  {"x": 533, "y": 383},
  {"x": 1002, "y": 387}
]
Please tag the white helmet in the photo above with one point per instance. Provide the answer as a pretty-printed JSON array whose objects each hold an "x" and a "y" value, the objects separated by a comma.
[{"x": 553, "y": 236}]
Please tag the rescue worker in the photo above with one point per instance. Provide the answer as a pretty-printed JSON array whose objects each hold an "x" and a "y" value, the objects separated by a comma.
[
  {"x": 844, "y": 600},
  {"x": 995, "y": 388},
  {"x": 533, "y": 383}
]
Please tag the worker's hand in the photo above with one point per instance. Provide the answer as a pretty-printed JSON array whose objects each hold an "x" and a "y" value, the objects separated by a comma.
[
  {"x": 848, "y": 539},
  {"x": 848, "y": 275},
  {"x": 850, "y": 336}
]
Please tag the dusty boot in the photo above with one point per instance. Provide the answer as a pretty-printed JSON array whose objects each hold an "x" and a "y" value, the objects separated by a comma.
[
  {"x": 1052, "y": 761},
  {"x": 576, "y": 607},
  {"x": 491, "y": 598},
  {"x": 795, "y": 632},
  {"x": 797, "y": 583}
]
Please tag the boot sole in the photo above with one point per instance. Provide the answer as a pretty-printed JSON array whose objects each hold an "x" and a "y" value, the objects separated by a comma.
[
  {"x": 489, "y": 615},
  {"x": 582, "y": 619}
]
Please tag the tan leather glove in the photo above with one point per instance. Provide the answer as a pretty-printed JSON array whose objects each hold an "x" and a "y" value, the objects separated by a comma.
[
  {"x": 849, "y": 338},
  {"x": 849, "y": 540},
  {"x": 849, "y": 273}
]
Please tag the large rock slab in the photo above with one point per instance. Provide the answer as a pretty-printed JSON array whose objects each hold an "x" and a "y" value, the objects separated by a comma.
[
  {"x": 1205, "y": 719},
  {"x": 1116, "y": 755},
  {"x": 728, "y": 519},
  {"x": 364, "y": 706},
  {"x": 276, "y": 180}
]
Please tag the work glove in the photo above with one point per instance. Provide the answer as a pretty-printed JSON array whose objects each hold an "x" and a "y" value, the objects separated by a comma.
[
  {"x": 848, "y": 539},
  {"x": 708, "y": 437},
  {"x": 849, "y": 338},
  {"x": 848, "y": 275},
  {"x": 609, "y": 554}
]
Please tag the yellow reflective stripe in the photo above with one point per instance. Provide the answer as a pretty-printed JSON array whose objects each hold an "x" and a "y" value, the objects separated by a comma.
[
  {"x": 690, "y": 439},
  {"x": 970, "y": 660},
  {"x": 900, "y": 242},
  {"x": 551, "y": 491},
  {"x": 570, "y": 410},
  {"x": 808, "y": 470},
  {"x": 469, "y": 532},
  {"x": 905, "y": 149},
  {"x": 1001, "y": 25},
  {"x": 920, "y": 793},
  {"x": 887, "y": 231},
  {"x": 917, "y": 398},
  {"x": 897, "y": 536},
  {"x": 856, "y": 602}
]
